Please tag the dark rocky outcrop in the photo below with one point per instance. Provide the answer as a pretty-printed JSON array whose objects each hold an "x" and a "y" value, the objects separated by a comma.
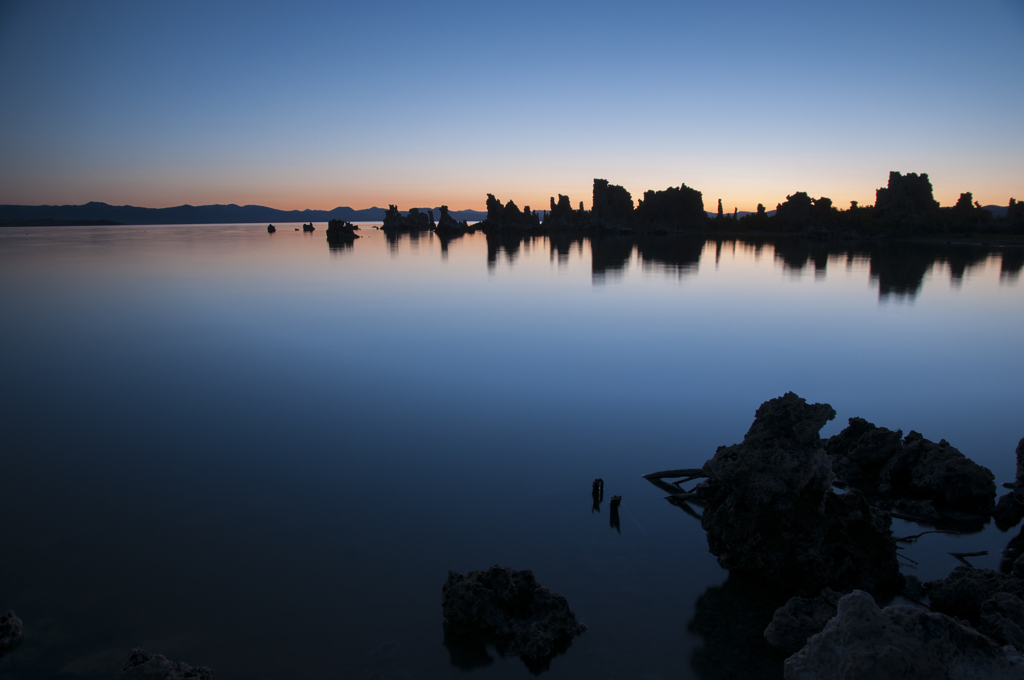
[
  {"x": 448, "y": 225},
  {"x": 10, "y": 631},
  {"x": 271, "y": 228},
  {"x": 511, "y": 610},
  {"x": 799, "y": 619},
  {"x": 142, "y": 665},
  {"x": 864, "y": 642},
  {"x": 770, "y": 510},
  {"x": 906, "y": 203},
  {"x": 413, "y": 221},
  {"x": 1009, "y": 511},
  {"x": 507, "y": 217},
  {"x": 933, "y": 481},
  {"x": 800, "y": 212},
  {"x": 674, "y": 208},
  {"x": 939, "y": 473},
  {"x": 859, "y": 451},
  {"x": 992, "y": 602},
  {"x": 562, "y": 216}
]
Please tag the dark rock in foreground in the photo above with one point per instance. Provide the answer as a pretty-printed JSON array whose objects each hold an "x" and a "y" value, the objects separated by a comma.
[
  {"x": 992, "y": 602},
  {"x": 770, "y": 510},
  {"x": 10, "y": 631},
  {"x": 799, "y": 619},
  {"x": 864, "y": 642},
  {"x": 141, "y": 665},
  {"x": 511, "y": 610}
]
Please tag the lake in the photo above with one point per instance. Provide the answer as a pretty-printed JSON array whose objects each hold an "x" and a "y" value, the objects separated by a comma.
[{"x": 262, "y": 454}]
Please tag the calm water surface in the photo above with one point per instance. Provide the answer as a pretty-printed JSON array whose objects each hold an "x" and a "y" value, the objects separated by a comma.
[{"x": 258, "y": 453}]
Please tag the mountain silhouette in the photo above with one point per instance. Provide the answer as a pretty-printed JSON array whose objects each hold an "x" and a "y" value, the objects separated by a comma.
[{"x": 201, "y": 214}]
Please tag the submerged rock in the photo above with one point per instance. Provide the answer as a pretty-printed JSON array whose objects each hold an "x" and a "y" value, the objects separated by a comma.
[
  {"x": 990, "y": 601},
  {"x": 770, "y": 511},
  {"x": 511, "y": 610},
  {"x": 799, "y": 619},
  {"x": 142, "y": 665},
  {"x": 10, "y": 631},
  {"x": 864, "y": 642}
]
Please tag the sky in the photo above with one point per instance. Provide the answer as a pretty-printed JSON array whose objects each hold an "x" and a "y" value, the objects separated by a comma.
[{"x": 325, "y": 104}]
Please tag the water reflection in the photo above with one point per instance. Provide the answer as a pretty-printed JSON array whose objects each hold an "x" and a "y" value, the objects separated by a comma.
[
  {"x": 613, "y": 510},
  {"x": 897, "y": 268},
  {"x": 670, "y": 254},
  {"x": 1012, "y": 262},
  {"x": 731, "y": 619},
  {"x": 610, "y": 255}
]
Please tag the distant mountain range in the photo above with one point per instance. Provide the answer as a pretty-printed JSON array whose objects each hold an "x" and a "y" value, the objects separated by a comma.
[
  {"x": 55, "y": 215},
  {"x": 96, "y": 213}
]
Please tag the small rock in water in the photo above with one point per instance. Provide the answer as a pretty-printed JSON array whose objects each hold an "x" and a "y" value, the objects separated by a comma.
[
  {"x": 271, "y": 228},
  {"x": 142, "y": 665},
  {"x": 10, "y": 631},
  {"x": 511, "y": 610},
  {"x": 864, "y": 642}
]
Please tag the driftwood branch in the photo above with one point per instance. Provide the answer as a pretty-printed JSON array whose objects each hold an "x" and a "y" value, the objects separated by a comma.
[
  {"x": 693, "y": 473},
  {"x": 906, "y": 558},
  {"x": 909, "y": 518},
  {"x": 909, "y": 539},
  {"x": 685, "y": 507},
  {"x": 682, "y": 496},
  {"x": 979, "y": 553},
  {"x": 664, "y": 486}
]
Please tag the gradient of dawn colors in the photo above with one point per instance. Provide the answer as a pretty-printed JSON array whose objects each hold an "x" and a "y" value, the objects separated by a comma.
[{"x": 318, "y": 105}]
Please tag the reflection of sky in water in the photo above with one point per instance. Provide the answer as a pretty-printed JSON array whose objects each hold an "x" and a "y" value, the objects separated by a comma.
[{"x": 262, "y": 454}]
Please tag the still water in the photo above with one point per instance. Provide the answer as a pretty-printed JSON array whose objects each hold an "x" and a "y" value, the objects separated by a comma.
[{"x": 257, "y": 453}]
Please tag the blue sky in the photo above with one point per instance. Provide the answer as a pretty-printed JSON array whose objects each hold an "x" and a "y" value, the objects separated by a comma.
[{"x": 316, "y": 105}]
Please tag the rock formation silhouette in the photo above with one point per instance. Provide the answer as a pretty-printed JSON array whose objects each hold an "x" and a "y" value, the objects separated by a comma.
[
  {"x": 612, "y": 207},
  {"x": 413, "y": 221},
  {"x": 673, "y": 208}
]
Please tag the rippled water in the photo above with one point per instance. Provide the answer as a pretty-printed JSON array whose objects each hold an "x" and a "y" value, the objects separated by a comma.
[{"x": 262, "y": 454}]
